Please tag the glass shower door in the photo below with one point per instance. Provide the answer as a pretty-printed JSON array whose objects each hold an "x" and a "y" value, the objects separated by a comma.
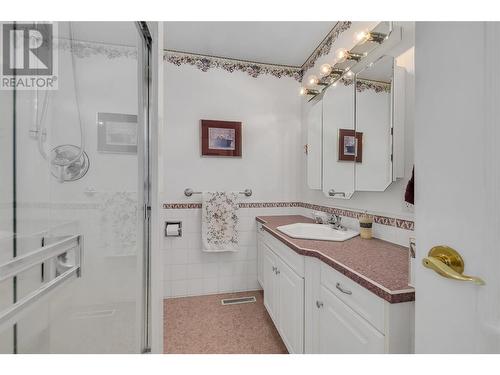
[{"x": 75, "y": 209}]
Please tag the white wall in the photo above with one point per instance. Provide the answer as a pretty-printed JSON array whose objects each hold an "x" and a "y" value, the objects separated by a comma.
[
  {"x": 269, "y": 109},
  {"x": 391, "y": 201}
]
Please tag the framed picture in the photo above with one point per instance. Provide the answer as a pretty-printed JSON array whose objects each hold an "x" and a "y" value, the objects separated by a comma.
[
  {"x": 116, "y": 133},
  {"x": 350, "y": 145},
  {"x": 220, "y": 138}
]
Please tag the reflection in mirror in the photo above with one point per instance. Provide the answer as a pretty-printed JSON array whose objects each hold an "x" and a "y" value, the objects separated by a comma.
[
  {"x": 373, "y": 171},
  {"x": 338, "y": 140},
  {"x": 313, "y": 147}
]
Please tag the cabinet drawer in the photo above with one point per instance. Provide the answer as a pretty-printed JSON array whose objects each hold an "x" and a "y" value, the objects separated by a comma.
[
  {"x": 291, "y": 258},
  {"x": 342, "y": 332},
  {"x": 361, "y": 300}
]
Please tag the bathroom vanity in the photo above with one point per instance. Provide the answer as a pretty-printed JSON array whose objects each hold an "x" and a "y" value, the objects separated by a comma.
[{"x": 335, "y": 297}]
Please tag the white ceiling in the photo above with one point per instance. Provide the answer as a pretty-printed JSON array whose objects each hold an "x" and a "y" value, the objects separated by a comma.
[
  {"x": 286, "y": 43},
  {"x": 112, "y": 32}
]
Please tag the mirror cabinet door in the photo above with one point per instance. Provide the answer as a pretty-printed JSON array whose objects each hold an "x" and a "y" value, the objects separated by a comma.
[
  {"x": 374, "y": 125},
  {"x": 339, "y": 141},
  {"x": 314, "y": 145}
]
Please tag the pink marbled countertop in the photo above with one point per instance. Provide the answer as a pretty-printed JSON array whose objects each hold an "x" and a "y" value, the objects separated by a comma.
[{"x": 379, "y": 266}]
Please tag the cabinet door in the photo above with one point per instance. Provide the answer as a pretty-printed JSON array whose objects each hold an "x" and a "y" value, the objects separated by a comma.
[
  {"x": 343, "y": 331},
  {"x": 270, "y": 282},
  {"x": 260, "y": 260},
  {"x": 291, "y": 308}
]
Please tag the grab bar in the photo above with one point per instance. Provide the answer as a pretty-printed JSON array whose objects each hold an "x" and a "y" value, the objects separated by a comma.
[
  {"x": 25, "y": 262},
  {"x": 188, "y": 192},
  {"x": 20, "y": 264}
]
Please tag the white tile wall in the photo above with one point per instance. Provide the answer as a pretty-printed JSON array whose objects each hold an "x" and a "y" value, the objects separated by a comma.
[{"x": 189, "y": 271}]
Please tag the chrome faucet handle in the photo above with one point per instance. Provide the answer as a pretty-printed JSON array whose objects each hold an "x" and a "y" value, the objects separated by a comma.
[
  {"x": 317, "y": 218},
  {"x": 333, "y": 219}
]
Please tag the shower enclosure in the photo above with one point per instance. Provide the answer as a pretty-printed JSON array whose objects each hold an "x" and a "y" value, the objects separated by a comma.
[{"x": 74, "y": 195}]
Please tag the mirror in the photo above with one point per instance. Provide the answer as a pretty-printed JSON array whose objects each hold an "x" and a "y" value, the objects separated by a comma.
[
  {"x": 374, "y": 125},
  {"x": 339, "y": 141},
  {"x": 356, "y": 128},
  {"x": 313, "y": 146}
]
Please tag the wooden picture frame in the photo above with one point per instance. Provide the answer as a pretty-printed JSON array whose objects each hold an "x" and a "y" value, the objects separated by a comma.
[
  {"x": 220, "y": 138},
  {"x": 350, "y": 145}
]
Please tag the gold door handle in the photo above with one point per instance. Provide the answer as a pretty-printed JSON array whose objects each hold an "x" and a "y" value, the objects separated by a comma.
[{"x": 448, "y": 263}]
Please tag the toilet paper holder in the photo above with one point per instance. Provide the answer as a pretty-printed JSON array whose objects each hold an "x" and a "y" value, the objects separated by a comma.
[{"x": 178, "y": 224}]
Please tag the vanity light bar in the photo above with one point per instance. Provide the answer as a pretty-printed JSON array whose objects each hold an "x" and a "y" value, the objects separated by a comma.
[
  {"x": 306, "y": 91},
  {"x": 342, "y": 54},
  {"x": 364, "y": 36}
]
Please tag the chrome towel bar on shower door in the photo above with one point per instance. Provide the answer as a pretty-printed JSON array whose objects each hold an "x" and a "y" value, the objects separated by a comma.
[
  {"x": 25, "y": 262},
  {"x": 188, "y": 192}
]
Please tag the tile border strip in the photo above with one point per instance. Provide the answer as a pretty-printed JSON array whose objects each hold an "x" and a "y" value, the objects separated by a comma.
[{"x": 378, "y": 219}]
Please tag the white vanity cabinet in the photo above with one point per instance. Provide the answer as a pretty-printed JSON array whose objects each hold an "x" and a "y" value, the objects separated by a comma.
[
  {"x": 341, "y": 330},
  {"x": 283, "y": 292},
  {"x": 341, "y": 316},
  {"x": 260, "y": 255},
  {"x": 317, "y": 309}
]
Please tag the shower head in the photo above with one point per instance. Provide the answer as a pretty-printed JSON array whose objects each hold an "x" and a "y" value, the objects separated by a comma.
[{"x": 69, "y": 163}]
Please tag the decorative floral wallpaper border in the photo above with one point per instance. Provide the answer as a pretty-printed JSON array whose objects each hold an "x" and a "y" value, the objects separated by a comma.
[
  {"x": 326, "y": 45},
  {"x": 254, "y": 69},
  {"x": 364, "y": 84},
  {"x": 87, "y": 49},
  {"x": 204, "y": 63},
  {"x": 382, "y": 220}
]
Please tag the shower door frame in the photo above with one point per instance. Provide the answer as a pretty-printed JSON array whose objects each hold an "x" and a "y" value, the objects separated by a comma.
[
  {"x": 144, "y": 55},
  {"x": 145, "y": 115}
]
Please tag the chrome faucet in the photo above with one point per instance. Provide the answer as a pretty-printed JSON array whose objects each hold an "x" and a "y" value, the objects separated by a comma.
[{"x": 335, "y": 221}]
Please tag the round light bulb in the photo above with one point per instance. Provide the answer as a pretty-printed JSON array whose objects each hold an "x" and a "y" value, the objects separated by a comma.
[
  {"x": 349, "y": 74},
  {"x": 341, "y": 55},
  {"x": 313, "y": 80},
  {"x": 303, "y": 91},
  {"x": 362, "y": 36},
  {"x": 325, "y": 69}
]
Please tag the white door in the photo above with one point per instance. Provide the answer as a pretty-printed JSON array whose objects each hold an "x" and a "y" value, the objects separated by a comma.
[
  {"x": 291, "y": 308},
  {"x": 270, "y": 284},
  {"x": 457, "y": 177},
  {"x": 342, "y": 331}
]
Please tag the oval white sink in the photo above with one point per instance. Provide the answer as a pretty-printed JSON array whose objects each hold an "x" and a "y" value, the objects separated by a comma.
[{"x": 323, "y": 232}]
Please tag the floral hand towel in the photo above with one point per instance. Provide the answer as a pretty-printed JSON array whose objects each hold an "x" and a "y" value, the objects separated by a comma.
[{"x": 219, "y": 221}]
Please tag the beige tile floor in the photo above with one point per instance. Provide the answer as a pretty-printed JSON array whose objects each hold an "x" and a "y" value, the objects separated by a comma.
[{"x": 201, "y": 324}]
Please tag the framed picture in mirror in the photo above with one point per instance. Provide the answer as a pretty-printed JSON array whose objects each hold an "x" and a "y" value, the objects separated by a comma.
[
  {"x": 116, "y": 133},
  {"x": 350, "y": 145}
]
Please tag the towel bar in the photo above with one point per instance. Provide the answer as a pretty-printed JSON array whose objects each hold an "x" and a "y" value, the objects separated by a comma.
[{"x": 188, "y": 192}]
